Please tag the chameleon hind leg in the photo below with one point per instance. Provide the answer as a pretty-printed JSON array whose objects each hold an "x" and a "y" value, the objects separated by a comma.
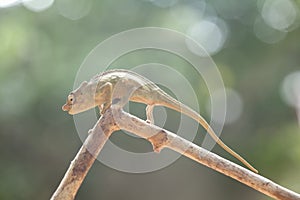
[{"x": 149, "y": 114}]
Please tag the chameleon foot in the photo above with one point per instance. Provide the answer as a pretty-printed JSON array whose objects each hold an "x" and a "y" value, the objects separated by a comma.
[{"x": 149, "y": 114}]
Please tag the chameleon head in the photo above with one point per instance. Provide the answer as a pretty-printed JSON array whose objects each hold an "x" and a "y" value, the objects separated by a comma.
[{"x": 81, "y": 99}]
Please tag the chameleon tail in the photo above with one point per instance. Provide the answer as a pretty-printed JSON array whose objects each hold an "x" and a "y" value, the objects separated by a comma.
[{"x": 179, "y": 107}]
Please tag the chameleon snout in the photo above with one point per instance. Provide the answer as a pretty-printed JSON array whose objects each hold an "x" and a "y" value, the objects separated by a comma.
[{"x": 66, "y": 107}]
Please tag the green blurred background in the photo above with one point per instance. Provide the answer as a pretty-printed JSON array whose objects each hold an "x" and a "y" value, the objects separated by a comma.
[{"x": 255, "y": 44}]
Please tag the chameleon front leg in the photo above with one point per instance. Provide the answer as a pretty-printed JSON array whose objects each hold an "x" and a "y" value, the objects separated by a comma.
[
  {"x": 122, "y": 93},
  {"x": 104, "y": 97},
  {"x": 149, "y": 114}
]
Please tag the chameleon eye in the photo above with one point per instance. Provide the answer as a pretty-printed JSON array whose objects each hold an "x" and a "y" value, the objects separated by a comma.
[{"x": 71, "y": 98}]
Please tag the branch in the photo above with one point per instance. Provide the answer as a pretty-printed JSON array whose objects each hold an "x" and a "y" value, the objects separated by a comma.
[
  {"x": 85, "y": 157},
  {"x": 116, "y": 119}
]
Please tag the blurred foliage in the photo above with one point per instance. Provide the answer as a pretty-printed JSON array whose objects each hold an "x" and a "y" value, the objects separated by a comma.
[{"x": 40, "y": 53}]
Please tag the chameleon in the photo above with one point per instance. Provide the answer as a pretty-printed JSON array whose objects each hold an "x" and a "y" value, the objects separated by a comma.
[{"x": 120, "y": 86}]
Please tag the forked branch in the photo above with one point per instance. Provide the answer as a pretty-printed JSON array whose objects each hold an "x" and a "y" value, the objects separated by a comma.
[{"x": 115, "y": 119}]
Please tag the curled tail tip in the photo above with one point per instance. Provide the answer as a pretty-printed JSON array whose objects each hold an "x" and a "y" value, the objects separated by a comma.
[
  {"x": 254, "y": 170},
  {"x": 251, "y": 168}
]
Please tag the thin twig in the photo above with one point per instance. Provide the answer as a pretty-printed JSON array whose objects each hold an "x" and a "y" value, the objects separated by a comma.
[{"x": 160, "y": 138}]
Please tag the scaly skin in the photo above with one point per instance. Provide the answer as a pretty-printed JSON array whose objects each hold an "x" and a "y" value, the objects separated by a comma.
[{"x": 120, "y": 86}]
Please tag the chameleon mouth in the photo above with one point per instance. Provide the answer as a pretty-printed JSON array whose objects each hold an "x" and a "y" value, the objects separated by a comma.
[{"x": 66, "y": 107}]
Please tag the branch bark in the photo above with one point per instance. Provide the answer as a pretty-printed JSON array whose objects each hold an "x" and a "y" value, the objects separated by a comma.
[
  {"x": 85, "y": 158},
  {"x": 115, "y": 119}
]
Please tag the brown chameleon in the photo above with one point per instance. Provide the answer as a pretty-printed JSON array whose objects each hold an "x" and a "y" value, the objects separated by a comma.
[{"x": 120, "y": 86}]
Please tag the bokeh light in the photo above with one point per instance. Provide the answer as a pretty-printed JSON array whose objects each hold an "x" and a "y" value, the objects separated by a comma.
[
  {"x": 290, "y": 89},
  {"x": 266, "y": 33},
  {"x": 74, "y": 9},
  {"x": 210, "y": 34},
  {"x": 37, "y": 5},
  {"x": 279, "y": 14},
  {"x": 234, "y": 105},
  {"x": 9, "y": 3}
]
